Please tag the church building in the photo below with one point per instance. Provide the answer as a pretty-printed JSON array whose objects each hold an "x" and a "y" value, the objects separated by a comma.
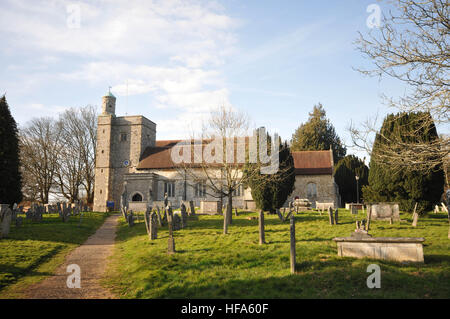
[{"x": 128, "y": 153}]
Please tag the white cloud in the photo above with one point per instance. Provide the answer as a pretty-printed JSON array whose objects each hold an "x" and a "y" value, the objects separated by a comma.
[
  {"x": 172, "y": 49},
  {"x": 188, "y": 30}
]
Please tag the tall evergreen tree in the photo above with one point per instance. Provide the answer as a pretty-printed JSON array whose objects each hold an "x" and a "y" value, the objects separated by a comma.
[
  {"x": 405, "y": 187},
  {"x": 345, "y": 176},
  {"x": 318, "y": 134},
  {"x": 10, "y": 177},
  {"x": 270, "y": 191}
]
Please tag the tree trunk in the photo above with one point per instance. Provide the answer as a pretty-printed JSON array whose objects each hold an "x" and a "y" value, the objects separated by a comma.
[
  {"x": 225, "y": 223},
  {"x": 261, "y": 228},
  {"x": 229, "y": 211},
  {"x": 369, "y": 216}
]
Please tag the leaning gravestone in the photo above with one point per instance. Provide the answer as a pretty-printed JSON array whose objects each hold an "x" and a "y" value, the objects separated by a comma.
[{"x": 5, "y": 220}]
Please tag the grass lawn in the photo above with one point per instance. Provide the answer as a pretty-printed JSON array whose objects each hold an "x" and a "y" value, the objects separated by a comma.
[
  {"x": 34, "y": 250},
  {"x": 211, "y": 265}
]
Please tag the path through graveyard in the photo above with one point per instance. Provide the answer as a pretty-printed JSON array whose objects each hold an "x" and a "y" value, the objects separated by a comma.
[{"x": 91, "y": 257}]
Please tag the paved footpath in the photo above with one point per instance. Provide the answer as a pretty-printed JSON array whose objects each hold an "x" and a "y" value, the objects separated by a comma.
[{"x": 92, "y": 259}]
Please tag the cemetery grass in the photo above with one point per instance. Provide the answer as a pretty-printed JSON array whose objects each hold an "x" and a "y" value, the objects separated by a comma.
[
  {"x": 34, "y": 250},
  {"x": 209, "y": 264}
]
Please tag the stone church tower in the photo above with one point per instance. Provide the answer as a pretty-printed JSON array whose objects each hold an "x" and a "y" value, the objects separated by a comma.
[{"x": 120, "y": 143}]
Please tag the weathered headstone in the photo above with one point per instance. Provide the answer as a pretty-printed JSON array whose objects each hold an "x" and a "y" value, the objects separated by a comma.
[
  {"x": 5, "y": 220},
  {"x": 130, "y": 219},
  {"x": 177, "y": 223},
  {"x": 415, "y": 216},
  {"x": 292, "y": 244},
  {"x": 171, "y": 241},
  {"x": 191, "y": 207},
  {"x": 262, "y": 238},
  {"x": 384, "y": 211},
  {"x": 236, "y": 212},
  {"x": 330, "y": 215},
  {"x": 147, "y": 220},
  {"x": 184, "y": 216},
  {"x": 153, "y": 226},
  {"x": 158, "y": 215},
  {"x": 336, "y": 217}
]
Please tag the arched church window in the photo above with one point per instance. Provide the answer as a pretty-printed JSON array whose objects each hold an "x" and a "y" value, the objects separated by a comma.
[
  {"x": 137, "y": 197},
  {"x": 311, "y": 190}
]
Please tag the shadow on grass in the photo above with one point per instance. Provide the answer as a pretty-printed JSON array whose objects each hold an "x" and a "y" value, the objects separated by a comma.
[
  {"x": 328, "y": 280},
  {"x": 12, "y": 273}
]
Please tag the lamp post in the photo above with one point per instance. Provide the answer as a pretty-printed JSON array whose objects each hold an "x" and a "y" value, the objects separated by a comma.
[{"x": 357, "y": 189}]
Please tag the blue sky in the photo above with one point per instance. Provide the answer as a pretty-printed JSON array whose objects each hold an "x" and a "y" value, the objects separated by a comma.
[{"x": 271, "y": 59}]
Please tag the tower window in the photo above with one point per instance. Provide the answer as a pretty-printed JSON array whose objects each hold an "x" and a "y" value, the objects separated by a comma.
[{"x": 123, "y": 137}]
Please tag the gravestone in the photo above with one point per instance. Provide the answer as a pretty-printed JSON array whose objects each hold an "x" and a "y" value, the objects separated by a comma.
[
  {"x": 171, "y": 241},
  {"x": 191, "y": 207},
  {"x": 184, "y": 216},
  {"x": 5, "y": 220},
  {"x": 130, "y": 219},
  {"x": 262, "y": 236},
  {"x": 158, "y": 215},
  {"x": 177, "y": 223},
  {"x": 147, "y": 220},
  {"x": 236, "y": 212},
  {"x": 292, "y": 244},
  {"x": 330, "y": 216},
  {"x": 384, "y": 211},
  {"x": 153, "y": 226},
  {"x": 336, "y": 217},
  {"x": 415, "y": 216}
]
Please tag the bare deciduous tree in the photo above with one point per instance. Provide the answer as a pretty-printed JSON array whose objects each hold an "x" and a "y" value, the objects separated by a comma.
[
  {"x": 224, "y": 148},
  {"x": 412, "y": 46},
  {"x": 77, "y": 157},
  {"x": 58, "y": 157},
  {"x": 39, "y": 155}
]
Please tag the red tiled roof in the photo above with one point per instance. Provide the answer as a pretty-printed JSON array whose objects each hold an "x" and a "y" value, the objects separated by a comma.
[
  {"x": 305, "y": 162},
  {"x": 312, "y": 162}
]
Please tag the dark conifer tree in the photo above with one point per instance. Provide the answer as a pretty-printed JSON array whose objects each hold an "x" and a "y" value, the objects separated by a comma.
[
  {"x": 10, "y": 177},
  {"x": 405, "y": 187}
]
